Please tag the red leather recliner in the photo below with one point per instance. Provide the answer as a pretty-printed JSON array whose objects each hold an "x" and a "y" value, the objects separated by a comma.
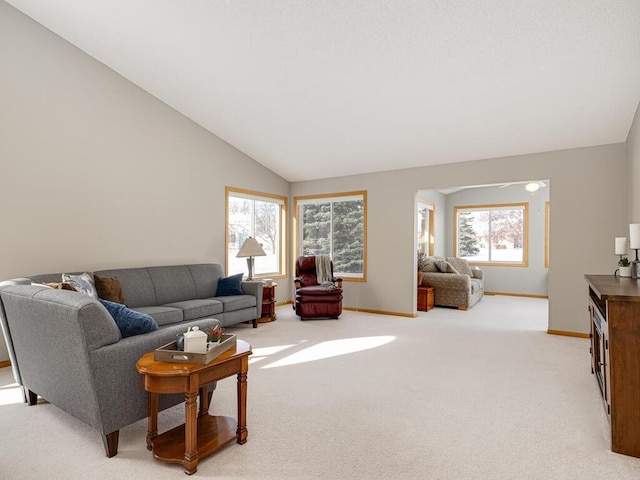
[{"x": 314, "y": 300}]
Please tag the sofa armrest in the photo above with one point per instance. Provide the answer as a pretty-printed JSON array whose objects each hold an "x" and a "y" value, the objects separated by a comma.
[
  {"x": 255, "y": 289},
  {"x": 120, "y": 395}
]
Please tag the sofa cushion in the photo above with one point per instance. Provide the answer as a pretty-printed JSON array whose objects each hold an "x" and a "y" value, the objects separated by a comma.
[
  {"x": 445, "y": 267},
  {"x": 231, "y": 303},
  {"x": 83, "y": 283},
  {"x": 109, "y": 288},
  {"x": 172, "y": 283},
  {"x": 163, "y": 315},
  {"x": 137, "y": 286},
  {"x": 461, "y": 265},
  {"x": 205, "y": 278},
  {"x": 230, "y": 285},
  {"x": 129, "y": 321},
  {"x": 197, "y": 308}
]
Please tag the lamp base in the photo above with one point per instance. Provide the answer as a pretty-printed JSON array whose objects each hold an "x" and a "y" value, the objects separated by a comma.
[
  {"x": 635, "y": 269},
  {"x": 250, "y": 268}
]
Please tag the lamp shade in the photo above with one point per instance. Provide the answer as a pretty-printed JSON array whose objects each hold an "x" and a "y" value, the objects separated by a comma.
[
  {"x": 621, "y": 246},
  {"x": 251, "y": 248}
]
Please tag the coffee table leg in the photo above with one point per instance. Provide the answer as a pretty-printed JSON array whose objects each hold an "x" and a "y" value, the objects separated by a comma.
[
  {"x": 242, "y": 431},
  {"x": 190, "y": 461},
  {"x": 152, "y": 426}
]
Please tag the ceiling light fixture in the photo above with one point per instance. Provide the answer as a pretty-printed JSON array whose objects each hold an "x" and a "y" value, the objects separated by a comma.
[{"x": 532, "y": 187}]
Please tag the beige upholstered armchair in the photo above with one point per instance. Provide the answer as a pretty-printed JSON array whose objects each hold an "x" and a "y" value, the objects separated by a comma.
[{"x": 455, "y": 283}]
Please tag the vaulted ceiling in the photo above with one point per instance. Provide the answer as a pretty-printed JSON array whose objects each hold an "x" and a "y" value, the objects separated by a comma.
[{"x": 314, "y": 89}]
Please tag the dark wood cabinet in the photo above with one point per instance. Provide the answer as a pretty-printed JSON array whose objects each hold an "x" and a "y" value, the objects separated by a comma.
[
  {"x": 614, "y": 315},
  {"x": 425, "y": 299},
  {"x": 268, "y": 303}
]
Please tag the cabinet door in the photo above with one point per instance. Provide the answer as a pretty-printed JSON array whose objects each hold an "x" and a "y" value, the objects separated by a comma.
[{"x": 600, "y": 353}]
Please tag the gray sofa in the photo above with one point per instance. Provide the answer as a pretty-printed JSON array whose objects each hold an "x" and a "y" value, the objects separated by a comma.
[
  {"x": 65, "y": 347},
  {"x": 456, "y": 285}
]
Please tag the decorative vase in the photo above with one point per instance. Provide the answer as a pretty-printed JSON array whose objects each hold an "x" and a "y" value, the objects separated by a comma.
[
  {"x": 421, "y": 276},
  {"x": 625, "y": 271}
]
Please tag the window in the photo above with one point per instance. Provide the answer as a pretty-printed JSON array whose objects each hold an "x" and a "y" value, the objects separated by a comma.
[
  {"x": 335, "y": 225},
  {"x": 258, "y": 215},
  {"x": 492, "y": 234},
  {"x": 424, "y": 223}
]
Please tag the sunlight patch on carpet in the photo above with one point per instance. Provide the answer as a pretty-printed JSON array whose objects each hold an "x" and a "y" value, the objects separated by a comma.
[
  {"x": 264, "y": 352},
  {"x": 332, "y": 348},
  {"x": 10, "y": 393}
]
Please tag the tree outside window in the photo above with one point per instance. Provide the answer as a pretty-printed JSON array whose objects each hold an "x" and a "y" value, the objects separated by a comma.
[
  {"x": 252, "y": 214},
  {"x": 492, "y": 234},
  {"x": 335, "y": 226}
]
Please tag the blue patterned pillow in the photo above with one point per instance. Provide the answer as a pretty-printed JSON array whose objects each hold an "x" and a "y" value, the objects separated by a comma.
[
  {"x": 230, "y": 286},
  {"x": 82, "y": 283},
  {"x": 129, "y": 321}
]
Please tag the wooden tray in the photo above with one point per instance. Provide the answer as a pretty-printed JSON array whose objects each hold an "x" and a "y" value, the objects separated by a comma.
[{"x": 169, "y": 352}]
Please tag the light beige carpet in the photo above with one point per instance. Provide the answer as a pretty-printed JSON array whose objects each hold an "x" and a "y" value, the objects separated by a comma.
[{"x": 482, "y": 394}]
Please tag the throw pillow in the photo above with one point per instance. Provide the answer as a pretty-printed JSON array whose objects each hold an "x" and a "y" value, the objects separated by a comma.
[
  {"x": 230, "y": 286},
  {"x": 445, "y": 267},
  {"x": 430, "y": 264},
  {"x": 55, "y": 285},
  {"x": 460, "y": 264},
  {"x": 129, "y": 321},
  {"x": 109, "y": 288},
  {"x": 82, "y": 283}
]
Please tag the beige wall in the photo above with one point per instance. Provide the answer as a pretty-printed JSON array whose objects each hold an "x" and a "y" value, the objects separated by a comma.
[
  {"x": 633, "y": 162},
  {"x": 97, "y": 173},
  {"x": 588, "y": 210}
]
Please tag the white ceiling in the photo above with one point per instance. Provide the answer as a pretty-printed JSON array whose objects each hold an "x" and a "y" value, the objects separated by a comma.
[{"x": 314, "y": 89}]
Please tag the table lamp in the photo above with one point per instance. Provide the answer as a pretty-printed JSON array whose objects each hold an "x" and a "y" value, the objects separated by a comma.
[
  {"x": 634, "y": 244},
  {"x": 251, "y": 248}
]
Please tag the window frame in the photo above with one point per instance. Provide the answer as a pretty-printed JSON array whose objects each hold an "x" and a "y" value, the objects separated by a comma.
[
  {"x": 282, "y": 202},
  {"x": 496, "y": 206},
  {"x": 432, "y": 237},
  {"x": 547, "y": 219},
  {"x": 298, "y": 201}
]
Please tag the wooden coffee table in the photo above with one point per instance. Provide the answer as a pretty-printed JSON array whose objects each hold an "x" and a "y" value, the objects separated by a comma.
[{"x": 201, "y": 434}]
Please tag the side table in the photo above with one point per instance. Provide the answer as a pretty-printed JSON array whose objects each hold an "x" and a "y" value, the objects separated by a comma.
[
  {"x": 268, "y": 303},
  {"x": 201, "y": 434},
  {"x": 426, "y": 298}
]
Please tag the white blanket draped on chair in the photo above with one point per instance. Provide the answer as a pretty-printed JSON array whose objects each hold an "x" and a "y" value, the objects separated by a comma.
[{"x": 323, "y": 271}]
